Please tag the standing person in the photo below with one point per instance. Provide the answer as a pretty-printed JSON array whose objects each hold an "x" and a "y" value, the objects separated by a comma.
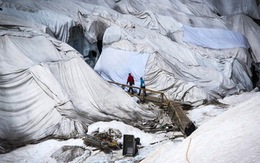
[
  {"x": 142, "y": 86},
  {"x": 131, "y": 82}
]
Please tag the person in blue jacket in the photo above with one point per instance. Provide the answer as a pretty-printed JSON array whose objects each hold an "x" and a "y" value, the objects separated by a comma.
[{"x": 142, "y": 86}]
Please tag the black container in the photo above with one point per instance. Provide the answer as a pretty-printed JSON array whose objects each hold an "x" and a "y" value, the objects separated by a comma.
[{"x": 129, "y": 145}]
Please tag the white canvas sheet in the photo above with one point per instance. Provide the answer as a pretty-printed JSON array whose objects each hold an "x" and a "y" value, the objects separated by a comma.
[
  {"x": 144, "y": 28},
  {"x": 114, "y": 65},
  {"x": 52, "y": 92},
  {"x": 214, "y": 38},
  {"x": 141, "y": 37}
]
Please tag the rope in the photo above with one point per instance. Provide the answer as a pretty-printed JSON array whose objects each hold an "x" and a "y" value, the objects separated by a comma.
[{"x": 188, "y": 151}]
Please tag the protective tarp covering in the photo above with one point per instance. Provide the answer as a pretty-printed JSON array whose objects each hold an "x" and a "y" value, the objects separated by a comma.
[
  {"x": 159, "y": 29},
  {"x": 52, "y": 92},
  {"x": 181, "y": 77},
  {"x": 235, "y": 7},
  {"x": 252, "y": 32},
  {"x": 214, "y": 38},
  {"x": 47, "y": 89},
  {"x": 33, "y": 13}
]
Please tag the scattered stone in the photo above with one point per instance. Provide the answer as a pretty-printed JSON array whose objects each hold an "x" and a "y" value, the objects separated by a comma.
[{"x": 68, "y": 153}]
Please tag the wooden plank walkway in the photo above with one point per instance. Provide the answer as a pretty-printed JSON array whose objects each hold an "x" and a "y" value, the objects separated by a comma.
[{"x": 173, "y": 108}]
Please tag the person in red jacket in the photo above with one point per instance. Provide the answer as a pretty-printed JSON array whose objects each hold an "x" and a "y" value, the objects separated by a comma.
[{"x": 131, "y": 82}]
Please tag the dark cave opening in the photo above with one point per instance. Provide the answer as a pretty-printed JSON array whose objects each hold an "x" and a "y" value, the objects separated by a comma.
[{"x": 89, "y": 51}]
